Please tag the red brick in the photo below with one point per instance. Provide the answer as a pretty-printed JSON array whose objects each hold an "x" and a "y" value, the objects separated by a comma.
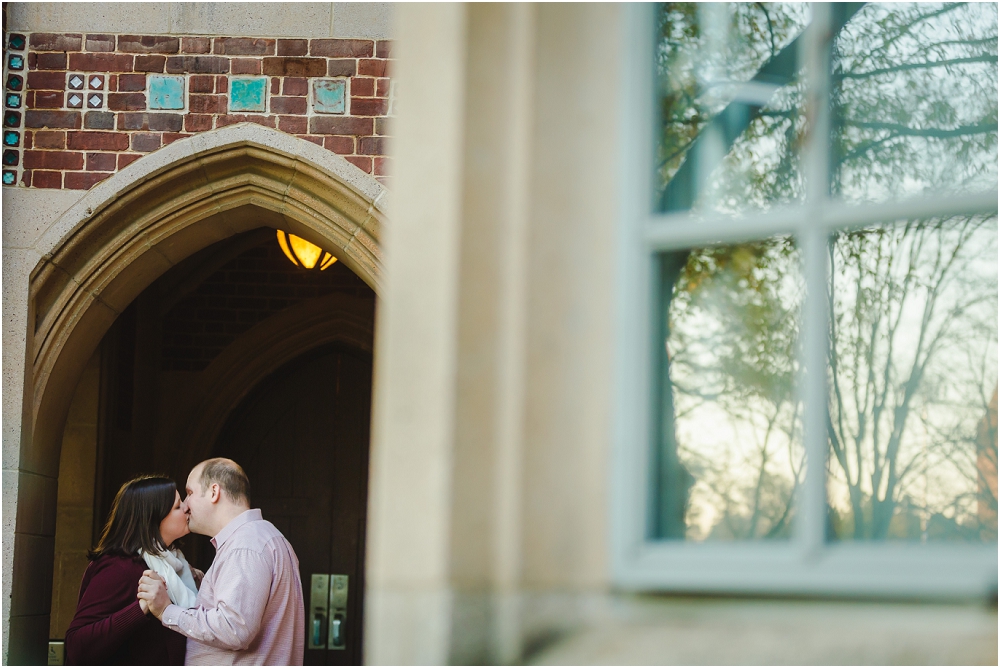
[
  {"x": 196, "y": 44},
  {"x": 47, "y": 80},
  {"x": 245, "y": 66},
  {"x": 150, "y": 63},
  {"x": 29, "y": 99},
  {"x": 49, "y": 139},
  {"x": 295, "y": 86},
  {"x": 382, "y": 87},
  {"x": 101, "y": 62},
  {"x": 46, "y": 41},
  {"x": 339, "y": 125},
  {"x": 106, "y": 141},
  {"x": 207, "y": 104},
  {"x": 382, "y": 166},
  {"x": 373, "y": 68},
  {"x": 101, "y": 162},
  {"x": 341, "y": 48},
  {"x": 294, "y": 125},
  {"x": 363, "y": 86},
  {"x": 342, "y": 68},
  {"x": 293, "y": 47},
  {"x": 148, "y": 44},
  {"x": 232, "y": 119},
  {"x": 171, "y": 137},
  {"x": 198, "y": 64},
  {"x": 369, "y": 106},
  {"x": 49, "y": 61},
  {"x": 159, "y": 122},
  {"x": 341, "y": 145},
  {"x": 288, "y": 105},
  {"x": 41, "y": 179},
  {"x": 295, "y": 67},
  {"x": 132, "y": 82},
  {"x": 372, "y": 146},
  {"x": 275, "y": 85},
  {"x": 127, "y": 101},
  {"x": 112, "y": 83},
  {"x": 84, "y": 180},
  {"x": 316, "y": 140},
  {"x": 26, "y": 178},
  {"x": 48, "y": 99},
  {"x": 363, "y": 163},
  {"x": 383, "y": 48},
  {"x": 145, "y": 142},
  {"x": 53, "y": 119},
  {"x": 126, "y": 159},
  {"x": 243, "y": 46},
  {"x": 222, "y": 85},
  {"x": 197, "y": 122},
  {"x": 100, "y": 43},
  {"x": 201, "y": 83},
  {"x": 53, "y": 160},
  {"x": 99, "y": 120}
]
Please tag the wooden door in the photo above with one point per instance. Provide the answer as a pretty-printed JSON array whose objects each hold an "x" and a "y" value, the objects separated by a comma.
[{"x": 302, "y": 438}]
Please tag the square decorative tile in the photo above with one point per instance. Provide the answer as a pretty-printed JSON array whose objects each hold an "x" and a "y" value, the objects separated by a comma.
[
  {"x": 9, "y": 177},
  {"x": 15, "y": 62},
  {"x": 17, "y": 41},
  {"x": 247, "y": 94},
  {"x": 330, "y": 96},
  {"x": 76, "y": 82},
  {"x": 11, "y": 158},
  {"x": 11, "y": 138},
  {"x": 95, "y": 82},
  {"x": 14, "y": 82},
  {"x": 94, "y": 101},
  {"x": 11, "y": 119},
  {"x": 13, "y": 100},
  {"x": 74, "y": 100},
  {"x": 166, "y": 92}
]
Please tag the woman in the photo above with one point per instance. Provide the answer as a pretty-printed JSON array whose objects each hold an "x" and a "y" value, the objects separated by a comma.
[{"x": 111, "y": 625}]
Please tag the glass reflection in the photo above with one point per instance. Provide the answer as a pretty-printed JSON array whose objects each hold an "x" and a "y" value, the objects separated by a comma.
[
  {"x": 913, "y": 381},
  {"x": 915, "y": 100},
  {"x": 729, "y": 459}
]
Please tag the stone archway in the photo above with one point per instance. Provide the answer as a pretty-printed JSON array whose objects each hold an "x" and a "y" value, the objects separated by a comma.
[{"x": 121, "y": 236}]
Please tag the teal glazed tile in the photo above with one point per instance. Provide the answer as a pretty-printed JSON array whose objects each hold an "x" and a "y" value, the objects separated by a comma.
[
  {"x": 11, "y": 138},
  {"x": 247, "y": 94},
  {"x": 14, "y": 82},
  {"x": 18, "y": 42},
  {"x": 15, "y": 62},
  {"x": 11, "y": 119},
  {"x": 9, "y": 177},
  {"x": 13, "y": 100},
  {"x": 166, "y": 92},
  {"x": 329, "y": 96},
  {"x": 11, "y": 158}
]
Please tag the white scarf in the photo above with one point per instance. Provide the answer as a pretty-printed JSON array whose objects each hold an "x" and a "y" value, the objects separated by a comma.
[{"x": 176, "y": 572}]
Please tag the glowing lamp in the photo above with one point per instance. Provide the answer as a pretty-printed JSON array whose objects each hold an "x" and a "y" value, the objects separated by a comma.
[{"x": 302, "y": 253}]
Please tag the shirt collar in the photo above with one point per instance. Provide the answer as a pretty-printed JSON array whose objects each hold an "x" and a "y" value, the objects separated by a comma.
[{"x": 234, "y": 524}]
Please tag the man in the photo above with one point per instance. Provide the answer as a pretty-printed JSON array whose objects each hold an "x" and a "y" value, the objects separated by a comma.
[{"x": 249, "y": 608}]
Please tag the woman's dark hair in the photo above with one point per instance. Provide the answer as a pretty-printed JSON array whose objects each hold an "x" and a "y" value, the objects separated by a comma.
[{"x": 134, "y": 521}]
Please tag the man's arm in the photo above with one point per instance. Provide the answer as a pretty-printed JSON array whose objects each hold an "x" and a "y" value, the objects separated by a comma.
[{"x": 241, "y": 591}]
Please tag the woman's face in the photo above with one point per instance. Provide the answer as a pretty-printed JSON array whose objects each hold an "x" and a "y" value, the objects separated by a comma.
[{"x": 174, "y": 525}]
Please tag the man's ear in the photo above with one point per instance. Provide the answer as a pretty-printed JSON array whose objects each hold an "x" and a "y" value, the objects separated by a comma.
[{"x": 215, "y": 493}]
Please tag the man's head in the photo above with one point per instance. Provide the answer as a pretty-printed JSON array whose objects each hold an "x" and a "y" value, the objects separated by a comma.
[{"x": 217, "y": 491}]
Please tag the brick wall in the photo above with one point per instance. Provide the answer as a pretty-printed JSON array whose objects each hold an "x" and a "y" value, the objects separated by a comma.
[
  {"x": 246, "y": 290},
  {"x": 93, "y": 103}
]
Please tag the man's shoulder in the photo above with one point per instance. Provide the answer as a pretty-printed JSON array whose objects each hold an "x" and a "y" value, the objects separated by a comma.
[{"x": 257, "y": 534}]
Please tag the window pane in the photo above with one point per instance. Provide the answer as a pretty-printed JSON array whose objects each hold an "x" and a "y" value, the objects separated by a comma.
[
  {"x": 729, "y": 103},
  {"x": 729, "y": 458},
  {"x": 913, "y": 381},
  {"x": 915, "y": 100}
]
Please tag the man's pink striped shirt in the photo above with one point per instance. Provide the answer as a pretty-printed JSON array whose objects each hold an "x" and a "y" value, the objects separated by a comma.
[{"x": 249, "y": 608}]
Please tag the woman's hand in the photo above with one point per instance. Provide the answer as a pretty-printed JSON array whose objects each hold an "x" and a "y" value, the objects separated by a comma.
[
  {"x": 144, "y": 606},
  {"x": 198, "y": 576}
]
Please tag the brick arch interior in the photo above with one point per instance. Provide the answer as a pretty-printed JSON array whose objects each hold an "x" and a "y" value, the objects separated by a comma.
[{"x": 130, "y": 230}]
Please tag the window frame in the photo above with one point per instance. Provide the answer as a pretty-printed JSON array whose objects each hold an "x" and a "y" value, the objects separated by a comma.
[{"x": 806, "y": 564}]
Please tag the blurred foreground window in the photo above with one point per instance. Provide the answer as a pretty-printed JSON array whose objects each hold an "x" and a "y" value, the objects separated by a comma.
[{"x": 809, "y": 400}]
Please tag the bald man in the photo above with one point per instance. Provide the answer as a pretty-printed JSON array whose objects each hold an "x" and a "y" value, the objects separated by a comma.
[{"x": 249, "y": 609}]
